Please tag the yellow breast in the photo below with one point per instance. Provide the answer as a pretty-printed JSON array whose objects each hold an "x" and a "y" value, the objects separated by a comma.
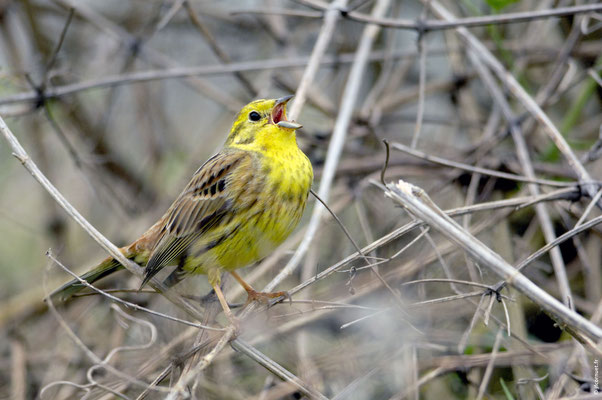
[
  {"x": 279, "y": 207},
  {"x": 267, "y": 194}
]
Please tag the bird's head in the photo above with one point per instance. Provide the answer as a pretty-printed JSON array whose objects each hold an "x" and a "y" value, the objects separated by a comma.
[{"x": 261, "y": 124}]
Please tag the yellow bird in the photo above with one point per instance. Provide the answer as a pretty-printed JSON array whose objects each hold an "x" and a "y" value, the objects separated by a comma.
[{"x": 237, "y": 208}]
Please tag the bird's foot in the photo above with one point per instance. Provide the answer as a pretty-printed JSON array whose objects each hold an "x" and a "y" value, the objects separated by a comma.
[{"x": 264, "y": 297}]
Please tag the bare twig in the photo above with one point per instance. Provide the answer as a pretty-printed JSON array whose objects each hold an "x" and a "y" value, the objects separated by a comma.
[
  {"x": 127, "y": 303},
  {"x": 276, "y": 369},
  {"x": 511, "y": 83},
  {"x": 90, "y": 354},
  {"x": 331, "y": 16},
  {"x": 422, "y": 50},
  {"x": 183, "y": 72},
  {"x": 414, "y": 199},
  {"x": 489, "y": 369},
  {"x": 479, "y": 170},
  {"x": 135, "y": 269},
  {"x": 18, "y": 376},
  {"x": 560, "y": 239},
  {"x": 525, "y": 161},
  {"x": 59, "y": 44},
  {"x": 221, "y": 54},
  {"x": 337, "y": 141},
  {"x": 179, "y": 391},
  {"x": 430, "y": 25}
]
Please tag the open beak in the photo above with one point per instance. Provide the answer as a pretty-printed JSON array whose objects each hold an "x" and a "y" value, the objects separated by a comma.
[{"x": 279, "y": 114}]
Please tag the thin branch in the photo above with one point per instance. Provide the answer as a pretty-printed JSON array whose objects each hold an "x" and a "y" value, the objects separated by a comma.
[
  {"x": 464, "y": 339},
  {"x": 59, "y": 44},
  {"x": 135, "y": 47},
  {"x": 589, "y": 208},
  {"x": 421, "y": 48},
  {"x": 131, "y": 266},
  {"x": 337, "y": 141},
  {"x": 167, "y": 17},
  {"x": 521, "y": 94},
  {"x": 406, "y": 194},
  {"x": 276, "y": 369},
  {"x": 331, "y": 16},
  {"x": 179, "y": 391},
  {"x": 479, "y": 170},
  {"x": 458, "y": 281},
  {"x": 394, "y": 293},
  {"x": 434, "y": 25},
  {"x": 287, "y": 12},
  {"x": 127, "y": 303},
  {"x": 399, "y": 232},
  {"x": 89, "y": 353},
  {"x": 184, "y": 72},
  {"x": 525, "y": 161},
  {"x": 425, "y": 378},
  {"x": 560, "y": 239},
  {"x": 217, "y": 50},
  {"x": 490, "y": 364}
]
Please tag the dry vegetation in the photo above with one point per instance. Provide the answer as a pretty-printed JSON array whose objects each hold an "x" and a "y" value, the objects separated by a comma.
[{"x": 498, "y": 119}]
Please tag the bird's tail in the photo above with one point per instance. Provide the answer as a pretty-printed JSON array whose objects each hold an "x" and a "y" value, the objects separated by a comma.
[
  {"x": 139, "y": 252},
  {"x": 107, "y": 267}
]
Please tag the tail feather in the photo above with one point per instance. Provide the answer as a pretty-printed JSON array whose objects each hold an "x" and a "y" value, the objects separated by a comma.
[{"x": 105, "y": 268}]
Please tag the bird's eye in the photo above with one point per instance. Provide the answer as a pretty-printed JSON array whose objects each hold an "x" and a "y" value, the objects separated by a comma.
[{"x": 254, "y": 116}]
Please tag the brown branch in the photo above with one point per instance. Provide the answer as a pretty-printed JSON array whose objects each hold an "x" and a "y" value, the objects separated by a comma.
[{"x": 435, "y": 25}]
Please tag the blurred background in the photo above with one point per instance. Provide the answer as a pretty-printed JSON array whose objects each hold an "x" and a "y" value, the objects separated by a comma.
[{"x": 119, "y": 102}]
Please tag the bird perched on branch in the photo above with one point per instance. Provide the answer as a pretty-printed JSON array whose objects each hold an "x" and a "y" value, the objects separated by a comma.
[{"x": 237, "y": 208}]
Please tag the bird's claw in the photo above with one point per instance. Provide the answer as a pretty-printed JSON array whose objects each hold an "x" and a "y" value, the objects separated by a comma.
[{"x": 264, "y": 298}]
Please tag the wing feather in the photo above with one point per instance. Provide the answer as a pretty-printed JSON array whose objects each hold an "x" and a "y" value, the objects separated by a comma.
[{"x": 203, "y": 204}]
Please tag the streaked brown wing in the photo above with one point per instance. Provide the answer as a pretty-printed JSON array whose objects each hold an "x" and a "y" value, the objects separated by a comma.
[{"x": 200, "y": 207}]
